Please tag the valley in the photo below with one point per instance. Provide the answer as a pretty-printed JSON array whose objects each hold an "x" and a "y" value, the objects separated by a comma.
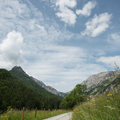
[{"x": 18, "y": 90}]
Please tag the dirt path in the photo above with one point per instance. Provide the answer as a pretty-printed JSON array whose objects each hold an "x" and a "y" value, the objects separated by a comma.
[{"x": 66, "y": 116}]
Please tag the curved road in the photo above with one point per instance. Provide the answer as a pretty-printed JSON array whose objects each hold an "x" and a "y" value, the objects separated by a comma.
[{"x": 66, "y": 116}]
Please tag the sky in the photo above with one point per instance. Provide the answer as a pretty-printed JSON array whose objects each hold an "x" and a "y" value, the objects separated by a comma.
[{"x": 60, "y": 42}]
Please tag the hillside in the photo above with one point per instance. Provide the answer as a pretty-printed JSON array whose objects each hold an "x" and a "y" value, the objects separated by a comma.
[
  {"x": 16, "y": 94},
  {"x": 49, "y": 88},
  {"x": 19, "y": 73},
  {"x": 100, "y": 107},
  {"x": 103, "y": 81}
]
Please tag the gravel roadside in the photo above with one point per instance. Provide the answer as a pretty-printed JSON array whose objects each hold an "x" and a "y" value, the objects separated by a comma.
[{"x": 66, "y": 116}]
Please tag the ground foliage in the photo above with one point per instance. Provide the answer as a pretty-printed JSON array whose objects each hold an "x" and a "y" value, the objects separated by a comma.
[
  {"x": 13, "y": 114},
  {"x": 101, "y": 107}
]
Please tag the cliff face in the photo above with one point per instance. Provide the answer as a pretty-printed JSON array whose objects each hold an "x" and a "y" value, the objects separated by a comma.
[
  {"x": 102, "y": 82},
  {"x": 95, "y": 79}
]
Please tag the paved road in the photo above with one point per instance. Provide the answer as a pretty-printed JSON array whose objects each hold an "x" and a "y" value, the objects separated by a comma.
[{"x": 66, "y": 116}]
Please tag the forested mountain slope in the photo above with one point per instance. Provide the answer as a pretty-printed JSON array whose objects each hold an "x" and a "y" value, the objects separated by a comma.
[
  {"x": 16, "y": 94},
  {"x": 28, "y": 81}
]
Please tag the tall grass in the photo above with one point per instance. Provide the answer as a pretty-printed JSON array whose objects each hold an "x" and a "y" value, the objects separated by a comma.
[
  {"x": 30, "y": 114},
  {"x": 101, "y": 107}
]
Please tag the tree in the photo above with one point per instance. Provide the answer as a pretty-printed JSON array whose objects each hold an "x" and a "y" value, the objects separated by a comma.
[{"x": 74, "y": 97}]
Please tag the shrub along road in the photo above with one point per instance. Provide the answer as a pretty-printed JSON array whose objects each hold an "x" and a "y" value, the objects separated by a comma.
[{"x": 66, "y": 116}]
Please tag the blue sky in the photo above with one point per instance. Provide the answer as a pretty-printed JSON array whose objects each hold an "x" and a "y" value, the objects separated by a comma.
[{"x": 60, "y": 42}]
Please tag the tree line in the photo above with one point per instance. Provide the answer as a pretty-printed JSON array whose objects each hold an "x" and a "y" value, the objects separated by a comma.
[
  {"x": 17, "y": 95},
  {"x": 77, "y": 95}
]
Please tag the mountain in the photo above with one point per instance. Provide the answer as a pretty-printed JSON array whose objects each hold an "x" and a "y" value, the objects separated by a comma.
[
  {"x": 102, "y": 82},
  {"x": 15, "y": 93},
  {"x": 20, "y": 74},
  {"x": 49, "y": 88}
]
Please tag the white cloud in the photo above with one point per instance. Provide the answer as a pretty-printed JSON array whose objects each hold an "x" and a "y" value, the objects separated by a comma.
[
  {"x": 41, "y": 28},
  {"x": 86, "y": 11},
  {"x": 14, "y": 8},
  {"x": 45, "y": 58},
  {"x": 97, "y": 25},
  {"x": 58, "y": 64},
  {"x": 65, "y": 14},
  {"x": 110, "y": 61},
  {"x": 114, "y": 38},
  {"x": 10, "y": 49},
  {"x": 66, "y": 3}
]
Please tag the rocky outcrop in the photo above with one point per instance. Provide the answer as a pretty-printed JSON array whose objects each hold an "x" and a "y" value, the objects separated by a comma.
[
  {"x": 95, "y": 79},
  {"x": 102, "y": 82}
]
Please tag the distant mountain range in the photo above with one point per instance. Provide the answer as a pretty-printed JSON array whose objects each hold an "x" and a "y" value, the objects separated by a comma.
[
  {"x": 49, "y": 88},
  {"x": 97, "y": 83},
  {"x": 19, "y": 72},
  {"x": 103, "y": 82},
  {"x": 18, "y": 89}
]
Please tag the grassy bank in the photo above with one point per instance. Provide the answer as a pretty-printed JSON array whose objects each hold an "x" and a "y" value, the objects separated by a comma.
[
  {"x": 30, "y": 115},
  {"x": 102, "y": 107}
]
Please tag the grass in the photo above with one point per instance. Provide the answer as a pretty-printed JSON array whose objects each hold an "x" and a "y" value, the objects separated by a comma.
[
  {"x": 101, "y": 107},
  {"x": 30, "y": 114}
]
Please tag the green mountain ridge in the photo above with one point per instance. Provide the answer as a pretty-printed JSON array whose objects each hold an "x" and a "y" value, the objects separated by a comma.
[
  {"x": 15, "y": 92},
  {"x": 28, "y": 81}
]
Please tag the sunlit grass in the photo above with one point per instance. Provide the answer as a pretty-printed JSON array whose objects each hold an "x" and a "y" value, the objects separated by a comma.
[
  {"x": 30, "y": 114},
  {"x": 102, "y": 107}
]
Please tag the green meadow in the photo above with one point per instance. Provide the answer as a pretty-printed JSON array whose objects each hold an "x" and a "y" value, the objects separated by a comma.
[{"x": 30, "y": 114}]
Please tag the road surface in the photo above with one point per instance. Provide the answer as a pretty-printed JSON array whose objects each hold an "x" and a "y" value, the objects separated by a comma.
[{"x": 66, "y": 116}]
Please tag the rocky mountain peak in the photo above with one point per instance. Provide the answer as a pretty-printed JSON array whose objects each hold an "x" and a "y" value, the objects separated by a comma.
[
  {"x": 95, "y": 79},
  {"x": 18, "y": 69}
]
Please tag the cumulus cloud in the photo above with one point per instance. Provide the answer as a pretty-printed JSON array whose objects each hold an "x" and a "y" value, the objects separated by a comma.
[
  {"x": 110, "y": 61},
  {"x": 65, "y": 14},
  {"x": 66, "y": 3},
  {"x": 10, "y": 50},
  {"x": 86, "y": 11},
  {"x": 97, "y": 25},
  {"x": 46, "y": 60}
]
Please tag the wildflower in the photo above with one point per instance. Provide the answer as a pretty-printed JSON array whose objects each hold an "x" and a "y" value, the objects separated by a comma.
[
  {"x": 110, "y": 94},
  {"x": 107, "y": 94},
  {"x": 107, "y": 100}
]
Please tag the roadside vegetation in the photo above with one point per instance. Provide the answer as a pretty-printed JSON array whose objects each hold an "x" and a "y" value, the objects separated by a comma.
[
  {"x": 101, "y": 107},
  {"x": 30, "y": 114},
  {"x": 104, "y": 106},
  {"x": 77, "y": 95}
]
